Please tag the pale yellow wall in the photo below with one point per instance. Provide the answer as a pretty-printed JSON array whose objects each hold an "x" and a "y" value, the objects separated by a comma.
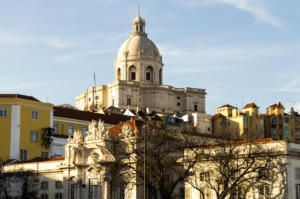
[
  {"x": 28, "y": 124},
  {"x": 5, "y": 128}
]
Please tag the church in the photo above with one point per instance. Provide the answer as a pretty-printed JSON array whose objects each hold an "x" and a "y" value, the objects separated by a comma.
[{"x": 139, "y": 82}]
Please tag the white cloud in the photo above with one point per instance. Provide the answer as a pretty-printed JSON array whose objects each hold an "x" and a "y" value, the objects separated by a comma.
[
  {"x": 254, "y": 7},
  {"x": 53, "y": 41}
]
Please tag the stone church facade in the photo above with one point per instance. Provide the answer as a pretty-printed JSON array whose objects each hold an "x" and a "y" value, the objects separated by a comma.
[{"x": 139, "y": 81}]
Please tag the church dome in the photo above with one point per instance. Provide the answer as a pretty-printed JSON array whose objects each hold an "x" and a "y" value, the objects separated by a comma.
[{"x": 136, "y": 46}]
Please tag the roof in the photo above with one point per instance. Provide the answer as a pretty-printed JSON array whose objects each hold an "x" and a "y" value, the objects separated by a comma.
[
  {"x": 19, "y": 97},
  {"x": 218, "y": 115},
  {"x": 263, "y": 115},
  {"x": 117, "y": 130},
  {"x": 227, "y": 105},
  {"x": 250, "y": 105},
  {"x": 40, "y": 159},
  {"x": 278, "y": 105},
  {"x": 110, "y": 118}
]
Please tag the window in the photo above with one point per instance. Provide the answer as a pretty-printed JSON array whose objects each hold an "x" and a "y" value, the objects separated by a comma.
[
  {"x": 160, "y": 76},
  {"x": 286, "y": 130},
  {"x": 297, "y": 132},
  {"x": 178, "y": 104},
  {"x": 245, "y": 130},
  {"x": 297, "y": 173},
  {"x": 286, "y": 120},
  {"x": 297, "y": 122},
  {"x": 45, "y": 155},
  {"x": 96, "y": 98},
  {"x": 34, "y": 115},
  {"x": 132, "y": 72},
  {"x": 149, "y": 73},
  {"x": 204, "y": 176},
  {"x": 23, "y": 154},
  {"x": 55, "y": 128},
  {"x": 178, "y": 97},
  {"x": 44, "y": 185},
  {"x": 84, "y": 131},
  {"x": 264, "y": 192},
  {"x": 195, "y": 107},
  {"x": 58, "y": 195},
  {"x": 93, "y": 194},
  {"x": 122, "y": 191},
  {"x": 274, "y": 121},
  {"x": 119, "y": 74},
  {"x": 44, "y": 196},
  {"x": 70, "y": 130},
  {"x": 58, "y": 184},
  {"x": 3, "y": 112},
  {"x": 73, "y": 191},
  {"x": 128, "y": 101},
  {"x": 297, "y": 191},
  {"x": 132, "y": 75},
  {"x": 208, "y": 129},
  {"x": 274, "y": 131},
  {"x": 245, "y": 121},
  {"x": 33, "y": 136}
]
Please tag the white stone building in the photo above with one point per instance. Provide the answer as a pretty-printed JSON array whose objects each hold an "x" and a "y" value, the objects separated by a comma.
[{"x": 139, "y": 81}]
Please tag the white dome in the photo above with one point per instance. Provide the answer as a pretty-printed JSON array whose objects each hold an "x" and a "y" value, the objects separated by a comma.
[{"x": 138, "y": 45}]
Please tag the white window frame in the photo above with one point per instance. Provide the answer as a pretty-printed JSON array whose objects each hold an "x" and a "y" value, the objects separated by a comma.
[
  {"x": 34, "y": 136},
  {"x": 23, "y": 154},
  {"x": 3, "y": 112},
  {"x": 34, "y": 115},
  {"x": 70, "y": 128}
]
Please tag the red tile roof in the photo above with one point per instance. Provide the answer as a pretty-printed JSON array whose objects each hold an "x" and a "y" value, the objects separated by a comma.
[
  {"x": 218, "y": 115},
  {"x": 279, "y": 105},
  {"x": 226, "y": 105},
  {"x": 39, "y": 159},
  {"x": 117, "y": 130},
  {"x": 110, "y": 118},
  {"x": 250, "y": 105},
  {"x": 18, "y": 96}
]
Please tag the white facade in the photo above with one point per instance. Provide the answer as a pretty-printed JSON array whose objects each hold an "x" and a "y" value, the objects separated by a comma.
[{"x": 138, "y": 81}]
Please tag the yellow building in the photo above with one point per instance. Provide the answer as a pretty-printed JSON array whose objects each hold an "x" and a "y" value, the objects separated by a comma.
[
  {"x": 23, "y": 121},
  {"x": 280, "y": 125},
  {"x": 231, "y": 121}
]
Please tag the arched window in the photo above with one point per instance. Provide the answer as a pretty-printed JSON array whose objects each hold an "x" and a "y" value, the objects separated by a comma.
[
  {"x": 132, "y": 73},
  {"x": 149, "y": 74},
  {"x": 119, "y": 74},
  {"x": 160, "y": 76}
]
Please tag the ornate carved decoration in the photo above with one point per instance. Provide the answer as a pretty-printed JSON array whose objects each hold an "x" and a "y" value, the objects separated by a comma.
[{"x": 127, "y": 131}]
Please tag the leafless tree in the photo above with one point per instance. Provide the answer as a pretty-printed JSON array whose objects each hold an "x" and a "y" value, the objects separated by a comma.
[
  {"x": 27, "y": 181},
  {"x": 232, "y": 168},
  {"x": 149, "y": 161}
]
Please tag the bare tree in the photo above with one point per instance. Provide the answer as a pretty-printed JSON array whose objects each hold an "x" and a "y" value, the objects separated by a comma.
[
  {"x": 233, "y": 169},
  {"x": 148, "y": 160},
  {"x": 20, "y": 182}
]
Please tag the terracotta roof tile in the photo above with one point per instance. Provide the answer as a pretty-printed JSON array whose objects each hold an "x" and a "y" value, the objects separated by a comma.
[
  {"x": 39, "y": 159},
  {"x": 18, "y": 96},
  {"x": 250, "y": 105},
  {"x": 117, "y": 130},
  {"x": 110, "y": 118},
  {"x": 218, "y": 115},
  {"x": 227, "y": 105},
  {"x": 278, "y": 105}
]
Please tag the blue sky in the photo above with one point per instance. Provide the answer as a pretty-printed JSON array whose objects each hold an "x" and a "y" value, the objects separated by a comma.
[{"x": 240, "y": 51}]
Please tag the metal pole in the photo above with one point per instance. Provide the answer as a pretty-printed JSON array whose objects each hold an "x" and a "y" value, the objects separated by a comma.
[{"x": 145, "y": 194}]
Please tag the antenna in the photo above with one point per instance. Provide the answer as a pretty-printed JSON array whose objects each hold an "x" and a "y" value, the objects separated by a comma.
[{"x": 94, "y": 87}]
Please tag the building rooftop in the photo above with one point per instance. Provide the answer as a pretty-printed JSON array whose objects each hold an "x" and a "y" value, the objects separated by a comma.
[
  {"x": 110, "y": 118},
  {"x": 226, "y": 105},
  {"x": 19, "y": 96},
  {"x": 250, "y": 105}
]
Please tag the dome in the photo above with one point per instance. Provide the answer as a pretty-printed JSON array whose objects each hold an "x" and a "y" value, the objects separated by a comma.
[{"x": 137, "y": 45}]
